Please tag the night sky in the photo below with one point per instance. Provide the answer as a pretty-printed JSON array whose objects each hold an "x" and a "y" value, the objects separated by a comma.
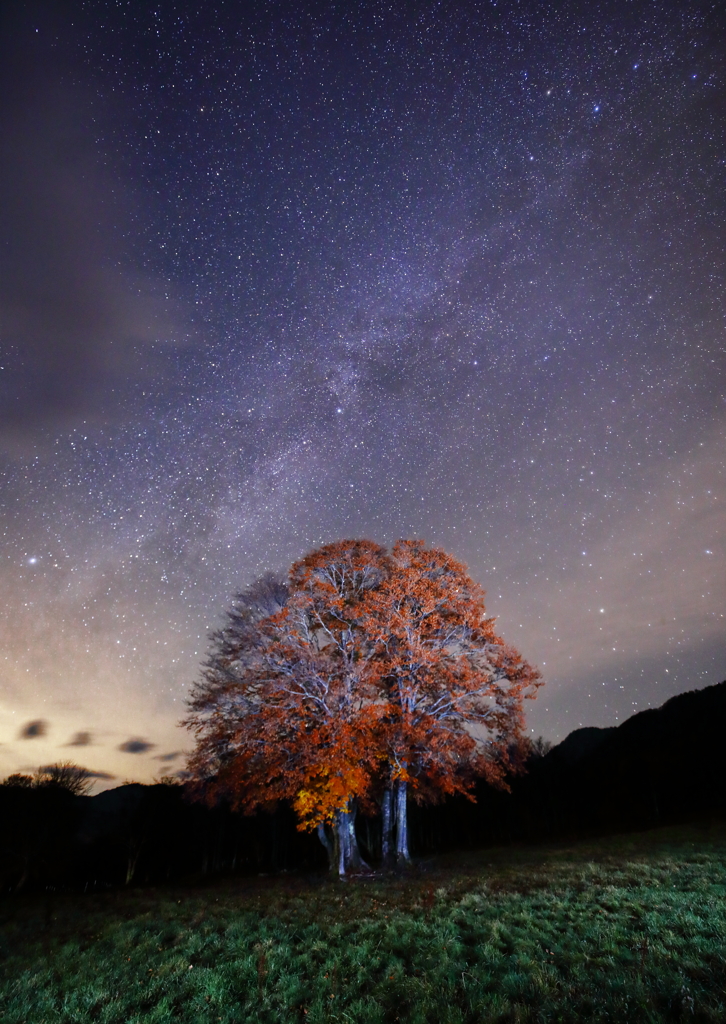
[{"x": 275, "y": 274}]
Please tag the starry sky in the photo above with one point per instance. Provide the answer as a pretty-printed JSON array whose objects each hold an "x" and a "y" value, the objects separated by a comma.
[{"x": 275, "y": 274}]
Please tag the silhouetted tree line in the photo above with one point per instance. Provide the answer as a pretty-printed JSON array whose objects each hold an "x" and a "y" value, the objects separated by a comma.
[
  {"x": 137, "y": 834},
  {"x": 661, "y": 766}
]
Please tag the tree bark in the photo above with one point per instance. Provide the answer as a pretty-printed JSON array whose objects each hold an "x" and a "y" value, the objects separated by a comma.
[
  {"x": 341, "y": 834},
  {"x": 402, "y": 854},
  {"x": 342, "y": 847},
  {"x": 355, "y": 860},
  {"x": 343, "y": 852},
  {"x": 328, "y": 843},
  {"x": 387, "y": 822}
]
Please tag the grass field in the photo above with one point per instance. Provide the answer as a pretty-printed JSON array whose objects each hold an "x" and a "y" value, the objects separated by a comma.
[{"x": 628, "y": 929}]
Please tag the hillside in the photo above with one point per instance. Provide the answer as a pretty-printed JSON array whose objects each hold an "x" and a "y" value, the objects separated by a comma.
[{"x": 664, "y": 765}]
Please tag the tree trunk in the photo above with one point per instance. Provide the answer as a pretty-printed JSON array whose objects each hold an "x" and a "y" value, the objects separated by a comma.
[
  {"x": 342, "y": 847},
  {"x": 343, "y": 852},
  {"x": 402, "y": 854},
  {"x": 387, "y": 822},
  {"x": 355, "y": 860},
  {"x": 341, "y": 835},
  {"x": 328, "y": 843}
]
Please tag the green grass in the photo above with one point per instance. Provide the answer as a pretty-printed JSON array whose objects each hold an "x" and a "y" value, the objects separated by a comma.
[{"x": 629, "y": 929}]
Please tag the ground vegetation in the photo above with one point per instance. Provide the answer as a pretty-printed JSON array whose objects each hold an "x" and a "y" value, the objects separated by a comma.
[{"x": 628, "y": 929}]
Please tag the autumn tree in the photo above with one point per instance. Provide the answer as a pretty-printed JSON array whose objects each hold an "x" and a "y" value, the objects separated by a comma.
[
  {"x": 369, "y": 676},
  {"x": 286, "y": 710},
  {"x": 451, "y": 688}
]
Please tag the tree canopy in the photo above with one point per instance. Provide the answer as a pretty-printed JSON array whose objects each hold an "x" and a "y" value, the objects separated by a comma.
[
  {"x": 62, "y": 775},
  {"x": 368, "y": 676}
]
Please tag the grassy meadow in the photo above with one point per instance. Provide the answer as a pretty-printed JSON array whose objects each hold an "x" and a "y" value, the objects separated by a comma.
[{"x": 627, "y": 929}]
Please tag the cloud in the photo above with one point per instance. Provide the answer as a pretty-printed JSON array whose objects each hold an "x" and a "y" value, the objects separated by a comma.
[
  {"x": 136, "y": 746},
  {"x": 69, "y": 770},
  {"x": 77, "y": 329},
  {"x": 81, "y": 739},
  {"x": 32, "y": 730},
  {"x": 168, "y": 757}
]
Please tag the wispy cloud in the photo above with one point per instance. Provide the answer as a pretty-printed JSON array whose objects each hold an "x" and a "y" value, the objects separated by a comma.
[
  {"x": 136, "y": 746},
  {"x": 81, "y": 739},
  {"x": 32, "y": 730}
]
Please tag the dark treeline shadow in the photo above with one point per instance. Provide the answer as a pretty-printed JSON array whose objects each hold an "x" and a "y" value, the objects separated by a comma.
[
  {"x": 662, "y": 766},
  {"x": 139, "y": 834}
]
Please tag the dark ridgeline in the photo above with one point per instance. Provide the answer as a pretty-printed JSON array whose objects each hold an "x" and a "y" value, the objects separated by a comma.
[{"x": 662, "y": 766}]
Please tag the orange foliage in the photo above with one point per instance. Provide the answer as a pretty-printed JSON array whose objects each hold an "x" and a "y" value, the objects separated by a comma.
[
  {"x": 300, "y": 721},
  {"x": 380, "y": 668},
  {"x": 453, "y": 689}
]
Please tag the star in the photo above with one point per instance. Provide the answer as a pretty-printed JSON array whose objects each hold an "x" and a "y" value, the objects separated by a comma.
[{"x": 276, "y": 281}]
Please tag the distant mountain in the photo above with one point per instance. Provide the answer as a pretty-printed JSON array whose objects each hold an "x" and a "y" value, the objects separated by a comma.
[
  {"x": 579, "y": 744},
  {"x": 683, "y": 721},
  {"x": 663, "y": 764}
]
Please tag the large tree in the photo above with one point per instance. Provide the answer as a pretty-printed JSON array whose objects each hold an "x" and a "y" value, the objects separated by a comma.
[
  {"x": 285, "y": 709},
  {"x": 367, "y": 676},
  {"x": 451, "y": 688}
]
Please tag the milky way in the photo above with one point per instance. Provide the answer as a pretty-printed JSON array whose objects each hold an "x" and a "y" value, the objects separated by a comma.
[{"x": 280, "y": 276}]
